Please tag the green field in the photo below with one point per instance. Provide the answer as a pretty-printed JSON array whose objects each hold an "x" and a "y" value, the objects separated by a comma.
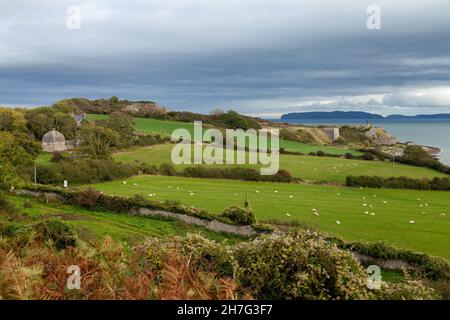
[
  {"x": 165, "y": 127},
  {"x": 91, "y": 225},
  {"x": 393, "y": 209},
  {"x": 324, "y": 169}
]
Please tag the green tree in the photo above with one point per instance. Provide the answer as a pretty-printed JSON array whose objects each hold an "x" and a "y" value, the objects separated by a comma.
[
  {"x": 98, "y": 140},
  {"x": 42, "y": 120},
  {"x": 11, "y": 120},
  {"x": 121, "y": 123},
  {"x": 416, "y": 154}
]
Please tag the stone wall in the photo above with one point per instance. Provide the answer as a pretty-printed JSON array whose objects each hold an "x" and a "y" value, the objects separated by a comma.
[
  {"x": 213, "y": 225},
  {"x": 390, "y": 264}
]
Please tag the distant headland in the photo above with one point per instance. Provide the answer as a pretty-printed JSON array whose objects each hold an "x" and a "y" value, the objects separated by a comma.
[{"x": 359, "y": 115}]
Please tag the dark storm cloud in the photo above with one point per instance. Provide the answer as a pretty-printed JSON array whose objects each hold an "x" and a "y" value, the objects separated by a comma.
[{"x": 259, "y": 57}]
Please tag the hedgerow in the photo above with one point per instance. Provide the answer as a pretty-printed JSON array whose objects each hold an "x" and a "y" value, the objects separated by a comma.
[{"x": 442, "y": 184}]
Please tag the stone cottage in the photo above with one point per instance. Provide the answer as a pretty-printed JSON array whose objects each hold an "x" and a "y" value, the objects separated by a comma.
[{"x": 53, "y": 141}]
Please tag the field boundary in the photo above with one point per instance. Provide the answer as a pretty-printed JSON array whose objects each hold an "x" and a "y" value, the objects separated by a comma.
[{"x": 212, "y": 225}]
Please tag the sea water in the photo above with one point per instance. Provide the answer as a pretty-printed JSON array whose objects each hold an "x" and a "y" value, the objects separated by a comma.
[{"x": 429, "y": 133}]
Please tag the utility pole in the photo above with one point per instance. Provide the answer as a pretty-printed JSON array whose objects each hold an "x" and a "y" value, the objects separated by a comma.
[
  {"x": 35, "y": 172},
  {"x": 246, "y": 200}
]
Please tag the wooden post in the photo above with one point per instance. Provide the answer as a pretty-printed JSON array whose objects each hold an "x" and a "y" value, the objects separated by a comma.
[{"x": 35, "y": 172}]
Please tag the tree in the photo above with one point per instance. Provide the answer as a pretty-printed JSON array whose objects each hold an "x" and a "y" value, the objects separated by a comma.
[
  {"x": 15, "y": 150},
  {"x": 11, "y": 120},
  {"x": 98, "y": 140},
  {"x": 217, "y": 113},
  {"x": 8, "y": 175},
  {"x": 42, "y": 120},
  {"x": 416, "y": 154},
  {"x": 121, "y": 123},
  {"x": 11, "y": 150}
]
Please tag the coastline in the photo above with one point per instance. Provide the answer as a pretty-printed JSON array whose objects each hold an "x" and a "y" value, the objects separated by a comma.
[{"x": 423, "y": 133}]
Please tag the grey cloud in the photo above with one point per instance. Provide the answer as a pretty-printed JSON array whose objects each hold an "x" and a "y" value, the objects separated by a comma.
[{"x": 256, "y": 56}]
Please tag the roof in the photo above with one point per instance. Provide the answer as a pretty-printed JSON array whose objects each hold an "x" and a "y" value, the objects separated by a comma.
[
  {"x": 53, "y": 136},
  {"x": 79, "y": 118}
]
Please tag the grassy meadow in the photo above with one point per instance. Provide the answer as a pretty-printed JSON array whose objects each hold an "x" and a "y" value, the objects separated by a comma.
[
  {"x": 164, "y": 127},
  {"x": 354, "y": 214},
  {"x": 312, "y": 168}
]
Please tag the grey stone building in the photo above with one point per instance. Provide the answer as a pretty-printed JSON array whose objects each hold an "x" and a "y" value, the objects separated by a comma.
[{"x": 53, "y": 141}]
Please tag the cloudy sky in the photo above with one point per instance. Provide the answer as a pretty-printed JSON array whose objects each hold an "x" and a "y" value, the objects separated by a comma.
[{"x": 260, "y": 57}]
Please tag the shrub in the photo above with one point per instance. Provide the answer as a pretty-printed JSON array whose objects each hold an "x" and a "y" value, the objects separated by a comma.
[
  {"x": 430, "y": 267},
  {"x": 263, "y": 228},
  {"x": 88, "y": 198},
  {"x": 56, "y": 231},
  {"x": 167, "y": 169},
  {"x": 242, "y": 216},
  {"x": 368, "y": 156},
  {"x": 237, "y": 173},
  {"x": 5, "y": 204},
  {"x": 348, "y": 155},
  {"x": 442, "y": 184},
  {"x": 27, "y": 204},
  {"x": 57, "y": 157},
  {"x": 320, "y": 153},
  {"x": 409, "y": 290},
  {"x": 84, "y": 171}
]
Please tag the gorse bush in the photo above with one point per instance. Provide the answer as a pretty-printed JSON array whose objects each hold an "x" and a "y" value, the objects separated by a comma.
[
  {"x": 242, "y": 216},
  {"x": 56, "y": 231},
  {"x": 300, "y": 265}
]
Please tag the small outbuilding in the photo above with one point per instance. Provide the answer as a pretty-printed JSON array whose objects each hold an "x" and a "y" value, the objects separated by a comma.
[{"x": 53, "y": 141}]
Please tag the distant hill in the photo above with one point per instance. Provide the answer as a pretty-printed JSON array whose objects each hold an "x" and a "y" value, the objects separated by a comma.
[
  {"x": 338, "y": 115},
  {"x": 419, "y": 116},
  {"x": 358, "y": 115}
]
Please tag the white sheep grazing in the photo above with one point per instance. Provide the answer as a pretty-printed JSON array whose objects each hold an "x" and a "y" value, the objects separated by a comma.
[
  {"x": 338, "y": 222},
  {"x": 412, "y": 222},
  {"x": 288, "y": 214}
]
